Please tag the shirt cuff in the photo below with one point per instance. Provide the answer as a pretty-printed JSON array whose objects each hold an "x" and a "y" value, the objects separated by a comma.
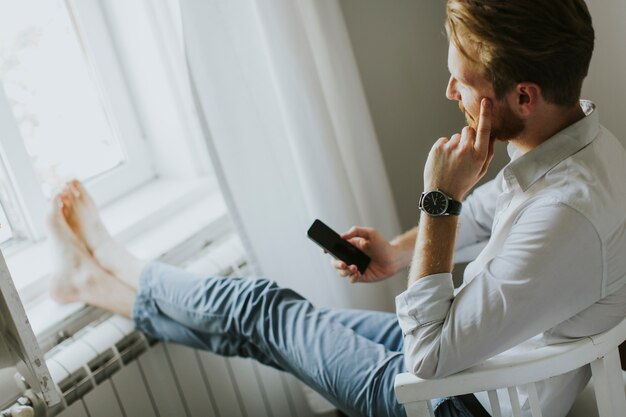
[{"x": 426, "y": 301}]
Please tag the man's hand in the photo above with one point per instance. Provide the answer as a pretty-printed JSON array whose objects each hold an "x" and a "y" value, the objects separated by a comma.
[
  {"x": 455, "y": 165},
  {"x": 384, "y": 261}
]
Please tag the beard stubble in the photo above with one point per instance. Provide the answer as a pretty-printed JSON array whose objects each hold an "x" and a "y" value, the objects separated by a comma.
[{"x": 505, "y": 124}]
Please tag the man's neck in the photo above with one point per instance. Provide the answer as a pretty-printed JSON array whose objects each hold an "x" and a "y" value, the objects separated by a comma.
[{"x": 546, "y": 124}]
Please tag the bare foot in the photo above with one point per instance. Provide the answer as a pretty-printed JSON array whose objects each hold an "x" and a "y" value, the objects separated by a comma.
[
  {"x": 82, "y": 217},
  {"x": 77, "y": 277}
]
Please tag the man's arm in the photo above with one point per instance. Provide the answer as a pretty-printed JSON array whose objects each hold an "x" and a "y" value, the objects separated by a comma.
[
  {"x": 454, "y": 166},
  {"x": 404, "y": 245},
  {"x": 474, "y": 223},
  {"x": 523, "y": 291},
  {"x": 390, "y": 257},
  {"x": 474, "y": 226},
  {"x": 387, "y": 257},
  {"x": 520, "y": 293},
  {"x": 434, "y": 250}
]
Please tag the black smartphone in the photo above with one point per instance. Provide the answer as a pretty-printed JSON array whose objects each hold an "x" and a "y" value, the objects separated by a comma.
[{"x": 340, "y": 248}]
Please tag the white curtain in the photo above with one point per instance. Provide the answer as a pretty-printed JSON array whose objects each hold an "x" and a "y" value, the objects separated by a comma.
[{"x": 285, "y": 117}]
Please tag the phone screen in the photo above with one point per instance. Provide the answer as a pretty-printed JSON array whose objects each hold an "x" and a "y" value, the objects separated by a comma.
[{"x": 340, "y": 248}]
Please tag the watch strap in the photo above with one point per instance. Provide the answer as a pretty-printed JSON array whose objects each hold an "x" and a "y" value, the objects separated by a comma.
[{"x": 454, "y": 207}]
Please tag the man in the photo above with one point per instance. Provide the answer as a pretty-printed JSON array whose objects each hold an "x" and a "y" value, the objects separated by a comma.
[{"x": 554, "y": 218}]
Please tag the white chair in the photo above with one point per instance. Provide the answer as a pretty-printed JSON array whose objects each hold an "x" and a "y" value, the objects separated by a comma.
[
  {"x": 523, "y": 369},
  {"x": 585, "y": 404}
]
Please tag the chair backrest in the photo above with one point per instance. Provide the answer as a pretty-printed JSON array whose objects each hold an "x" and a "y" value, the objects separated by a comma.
[{"x": 523, "y": 368}]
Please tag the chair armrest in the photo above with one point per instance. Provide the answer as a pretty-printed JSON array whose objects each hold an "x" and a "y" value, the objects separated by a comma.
[
  {"x": 526, "y": 363},
  {"x": 530, "y": 361}
]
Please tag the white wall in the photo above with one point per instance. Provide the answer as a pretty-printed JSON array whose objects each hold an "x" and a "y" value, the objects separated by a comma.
[
  {"x": 401, "y": 51},
  {"x": 606, "y": 83}
]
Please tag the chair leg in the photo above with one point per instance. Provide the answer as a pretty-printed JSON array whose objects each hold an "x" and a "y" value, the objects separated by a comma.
[
  {"x": 419, "y": 409},
  {"x": 609, "y": 385}
]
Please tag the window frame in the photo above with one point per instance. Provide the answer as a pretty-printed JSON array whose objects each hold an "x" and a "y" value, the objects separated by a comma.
[
  {"x": 93, "y": 35},
  {"x": 184, "y": 161},
  {"x": 93, "y": 30}
]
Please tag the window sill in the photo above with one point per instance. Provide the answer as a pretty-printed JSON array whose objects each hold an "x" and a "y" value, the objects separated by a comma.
[{"x": 164, "y": 218}]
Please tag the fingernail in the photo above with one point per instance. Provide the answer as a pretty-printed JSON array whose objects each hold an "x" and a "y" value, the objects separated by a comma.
[{"x": 487, "y": 104}]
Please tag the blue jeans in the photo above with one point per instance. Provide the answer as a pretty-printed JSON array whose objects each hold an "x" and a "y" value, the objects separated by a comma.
[{"x": 351, "y": 357}]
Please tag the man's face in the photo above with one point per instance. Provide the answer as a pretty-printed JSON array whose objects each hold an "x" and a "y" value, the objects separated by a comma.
[{"x": 468, "y": 86}]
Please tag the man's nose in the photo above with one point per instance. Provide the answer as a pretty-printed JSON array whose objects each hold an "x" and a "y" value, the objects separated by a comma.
[{"x": 451, "y": 91}]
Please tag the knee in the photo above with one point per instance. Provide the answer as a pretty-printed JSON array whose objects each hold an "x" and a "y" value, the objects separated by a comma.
[
  {"x": 264, "y": 303},
  {"x": 264, "y": 294}
]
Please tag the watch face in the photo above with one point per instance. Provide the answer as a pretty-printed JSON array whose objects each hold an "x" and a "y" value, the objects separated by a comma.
[{"x": 435, "y": 203}]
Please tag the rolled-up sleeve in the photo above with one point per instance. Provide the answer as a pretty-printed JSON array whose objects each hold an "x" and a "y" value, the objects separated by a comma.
[{"x": 427, "y": 301}]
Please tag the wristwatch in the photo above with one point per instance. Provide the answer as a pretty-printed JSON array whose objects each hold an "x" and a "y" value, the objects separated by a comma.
[{"x": 437, "y": 203}]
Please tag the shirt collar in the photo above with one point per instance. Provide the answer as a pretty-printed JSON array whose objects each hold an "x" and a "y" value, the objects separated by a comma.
[{"x": 530, "y": 167}]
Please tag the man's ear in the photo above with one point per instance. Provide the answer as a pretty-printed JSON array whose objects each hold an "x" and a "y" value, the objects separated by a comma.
[{"x": 528, "y": 96}]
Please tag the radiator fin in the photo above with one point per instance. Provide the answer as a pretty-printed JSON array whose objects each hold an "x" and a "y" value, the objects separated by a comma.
[{"x": 193, "y": 381}]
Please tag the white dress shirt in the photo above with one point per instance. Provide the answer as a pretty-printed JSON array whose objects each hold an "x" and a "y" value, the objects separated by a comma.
[{"x": 554, "y": 267}]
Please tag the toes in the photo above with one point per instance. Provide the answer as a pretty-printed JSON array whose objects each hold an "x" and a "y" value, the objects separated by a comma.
[
  {"x": 61, "y": 217},
  {"x": 73, "y": 187},
  {"x": 83, "y": 195},
  {"x": 69, "y": 192},
  {"x": 56, "y": 216},
  {"x": 59, "y": 226},
  {"x": 66, "y": 203}
]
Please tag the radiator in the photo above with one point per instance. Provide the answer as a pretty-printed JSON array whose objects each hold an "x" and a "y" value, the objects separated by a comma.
[
  {"x": 110, "y": 370},
  {"x": 124, "y": 374}
]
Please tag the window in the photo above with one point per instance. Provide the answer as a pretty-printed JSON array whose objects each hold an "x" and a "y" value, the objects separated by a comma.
[
  {"x": 96, "y": 91},
  {"x": 57, "y": 123},
  {"x": 53, "y": 98}
]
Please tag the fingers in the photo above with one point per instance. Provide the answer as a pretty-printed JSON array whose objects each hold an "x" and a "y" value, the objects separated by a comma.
[
  {"x": 353, "y": 274},
  {"x": 468, "y": 137},
  {"x": 490, "y": 155},
  {"x": 361, "y": 237},
  {"x": 342, "y": 269},
  {"x": 440, "y": 143},
  {"x": 483, "y": 133},
  {"x": 356, "y": 231},
  {"x": 454, "y": 140},
  {"x": 345, "y": 270},
  {"x": 356, "y": 277},
  {"x": 361, "y": 243}
]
